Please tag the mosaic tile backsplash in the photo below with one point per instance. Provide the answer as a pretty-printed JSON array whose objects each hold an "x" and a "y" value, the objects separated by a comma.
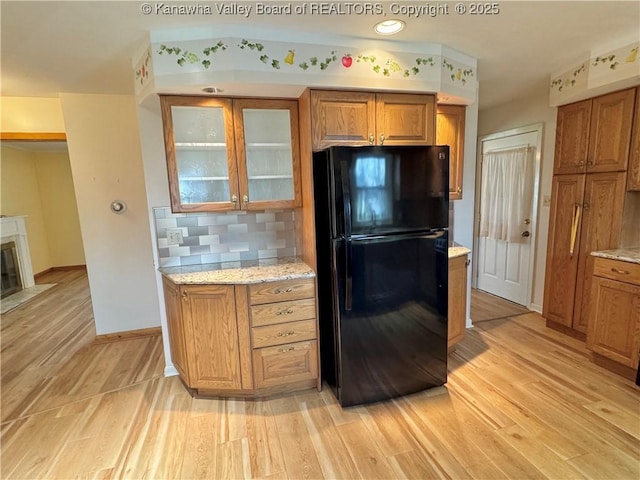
[{"x": 224, "y": 237}]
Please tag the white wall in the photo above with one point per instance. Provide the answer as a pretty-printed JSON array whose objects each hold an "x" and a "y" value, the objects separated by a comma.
[
  {"x": 106, "y": 163},
  {"x": 463, "y": 209},
  {"x": 157, "y": 188},
  {"x": 527, "y": 111}
]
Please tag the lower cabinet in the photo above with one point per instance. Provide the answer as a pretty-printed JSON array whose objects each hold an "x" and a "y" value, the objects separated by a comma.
[
  {"x": 244, "y": 339},
  {"x": 457, "y": 311},
  {"x": 614, "y": 322}
]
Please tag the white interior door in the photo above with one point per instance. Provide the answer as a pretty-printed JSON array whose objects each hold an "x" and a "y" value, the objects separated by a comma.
[{"x": 504, "y": 268}]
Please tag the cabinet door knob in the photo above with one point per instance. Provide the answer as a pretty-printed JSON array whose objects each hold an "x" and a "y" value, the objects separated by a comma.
[
  {"x": 525, "y": 233},
  {"x": 185, "y": 296},
  {"x": 371, "y": 138},
  {"x": 245, "y": 199},
  {"x": 382, "y": 139},
  {"x": 459, "y": 191},
  {"x": 234, "y": 199}
]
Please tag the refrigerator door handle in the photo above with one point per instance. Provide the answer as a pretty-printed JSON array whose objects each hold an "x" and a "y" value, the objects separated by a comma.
[
  {"x": 346, "y": 198},
  {"x": 348, "y": 291}
]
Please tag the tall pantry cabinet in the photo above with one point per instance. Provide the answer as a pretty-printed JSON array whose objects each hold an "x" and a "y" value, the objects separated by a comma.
[{"x": 587, "y": 198}]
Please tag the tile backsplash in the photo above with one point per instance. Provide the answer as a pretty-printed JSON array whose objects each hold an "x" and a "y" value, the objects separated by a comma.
[{"x": 225, "y": 236}]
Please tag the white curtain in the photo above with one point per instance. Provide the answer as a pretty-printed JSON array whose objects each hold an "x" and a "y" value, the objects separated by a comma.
[{"x": 506, "y": 193}]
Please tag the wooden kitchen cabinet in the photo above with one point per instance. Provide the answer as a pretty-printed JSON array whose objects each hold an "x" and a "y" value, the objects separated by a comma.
[
  {"x": 204, "y": 335},
  {"x": 450, "y": 131},
  {"x": 457, "y": 318},
  {"x": 284, "y": 334},
  {"x": 586, "y": 215},
  {"x": 614, "y": 327},
  {"x": 245, "y": 340},
  {"x": 231, "y": 154},
  {"x": 175, "y": 324},
  {"x": 368, "y": 118},
  {"x": 633, "y": 172},
  {"x": 594, "y": 135}
]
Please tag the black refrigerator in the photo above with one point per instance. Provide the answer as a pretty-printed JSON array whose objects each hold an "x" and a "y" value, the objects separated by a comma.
[{"x": 382, "y": 240}]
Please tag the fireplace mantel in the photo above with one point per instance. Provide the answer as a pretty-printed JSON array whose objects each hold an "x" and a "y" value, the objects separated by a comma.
[{"x": 13, "y": 229}]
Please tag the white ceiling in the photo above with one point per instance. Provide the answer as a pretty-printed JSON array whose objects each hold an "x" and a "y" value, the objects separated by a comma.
[{"x": 87, "y": 46}]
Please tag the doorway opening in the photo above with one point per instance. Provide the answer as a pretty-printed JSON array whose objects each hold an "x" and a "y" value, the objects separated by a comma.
[{"x": 507, "y": 190}]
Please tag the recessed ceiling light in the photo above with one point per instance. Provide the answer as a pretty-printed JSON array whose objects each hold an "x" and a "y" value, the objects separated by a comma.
[
  {"x": 212, "y": 90},
  {"x": 388, "y": 27}
]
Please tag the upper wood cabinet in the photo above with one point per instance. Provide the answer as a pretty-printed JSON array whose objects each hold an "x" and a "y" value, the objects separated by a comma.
[
  {"x": 594, "y": 135},
  {"x": 231, "y": 154},
  {"x": 367, "y": 118},
  {"x": 450, "y": 131},
  {"x": 633, "y": 172}
]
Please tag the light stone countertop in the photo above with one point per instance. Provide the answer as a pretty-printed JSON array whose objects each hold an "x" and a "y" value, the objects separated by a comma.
[
  {"x": 252, "y": 271},
  {"x": 631, "y": 255},
  {"x": 458, "y": 251},
  {"x": 241, "y": 272}
]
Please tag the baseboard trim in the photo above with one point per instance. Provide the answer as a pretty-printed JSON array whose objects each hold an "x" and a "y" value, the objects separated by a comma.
[
  {"x": 128, "y": 335},
  {"x": 170, "y": 371},
  {"x": 535, "y": 308},
  {"x": 65, "y": 268}
]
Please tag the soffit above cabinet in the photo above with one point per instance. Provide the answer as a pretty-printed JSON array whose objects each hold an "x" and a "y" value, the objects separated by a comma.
[{"x": 259, "y": 65}]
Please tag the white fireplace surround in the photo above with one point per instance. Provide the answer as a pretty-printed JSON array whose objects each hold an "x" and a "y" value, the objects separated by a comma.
[{"x": 12, "y": 229}]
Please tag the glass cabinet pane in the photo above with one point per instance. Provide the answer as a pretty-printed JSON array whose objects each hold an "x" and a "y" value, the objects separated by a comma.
[
  {"x": 269, "y": 158},
  {"x": 201, "y": 154}
]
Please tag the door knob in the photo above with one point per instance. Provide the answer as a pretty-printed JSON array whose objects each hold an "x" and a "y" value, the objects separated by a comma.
[{"x": 525, "y": 233}]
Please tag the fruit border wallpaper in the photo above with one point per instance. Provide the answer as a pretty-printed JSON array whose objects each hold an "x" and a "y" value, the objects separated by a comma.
[
  {"x": 601, "y": 69},
  {"x": 179, "y": 64},
  {"x": 385, "y": 66}
]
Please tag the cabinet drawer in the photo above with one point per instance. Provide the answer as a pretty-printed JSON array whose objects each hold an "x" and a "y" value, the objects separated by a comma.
[
  {"x": 283, "y": 312},
  {"x": 284, "y": 364},
  {"x": 617, "y": 270},
  {"x": 281, "y": 291},
  {"x": 282, "y": 333}
]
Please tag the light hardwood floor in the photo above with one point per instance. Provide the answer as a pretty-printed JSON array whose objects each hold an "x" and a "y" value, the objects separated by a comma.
[
  {"x": 485, "y": 306},
  {"x": 522, "y": 401}
]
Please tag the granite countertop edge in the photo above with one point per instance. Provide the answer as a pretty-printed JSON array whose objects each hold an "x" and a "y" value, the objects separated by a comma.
[
  {"x": 631, "y": 255},
  {"x": 238, "y": 274},
  {"x": 458, "y": 251},
  {"x": 235, "y": 273}
]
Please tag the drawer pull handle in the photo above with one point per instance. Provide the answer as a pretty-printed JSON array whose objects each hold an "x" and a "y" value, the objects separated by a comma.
[
  {"x": 278, "y": 291},
  {"x": 286, "y": 334},
  {"x": 285, "y": 350},
  {"x": 623, "y": 272},
  {"x": 285, "y": 312}
]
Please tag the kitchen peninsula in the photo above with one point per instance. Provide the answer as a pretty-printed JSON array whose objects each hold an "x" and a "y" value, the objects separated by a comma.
[{"x": 249, "y": 328}]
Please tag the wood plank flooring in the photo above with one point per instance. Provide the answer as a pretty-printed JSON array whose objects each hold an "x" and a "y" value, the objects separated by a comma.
[
  {"x": 522, "y": 401},
  {"x": 485, "y": 306}
]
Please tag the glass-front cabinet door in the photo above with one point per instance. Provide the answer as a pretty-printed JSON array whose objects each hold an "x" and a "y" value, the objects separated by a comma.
[
  {"x": 231, "y": 154},
  {"x": 268, "y": 152},
  {"x": 201, "y": 157}
]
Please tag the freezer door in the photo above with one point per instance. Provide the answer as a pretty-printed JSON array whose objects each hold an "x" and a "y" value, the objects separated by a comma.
[
  {"x": 383, "y": 190},
  {"x": 392, "y": 316}
]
